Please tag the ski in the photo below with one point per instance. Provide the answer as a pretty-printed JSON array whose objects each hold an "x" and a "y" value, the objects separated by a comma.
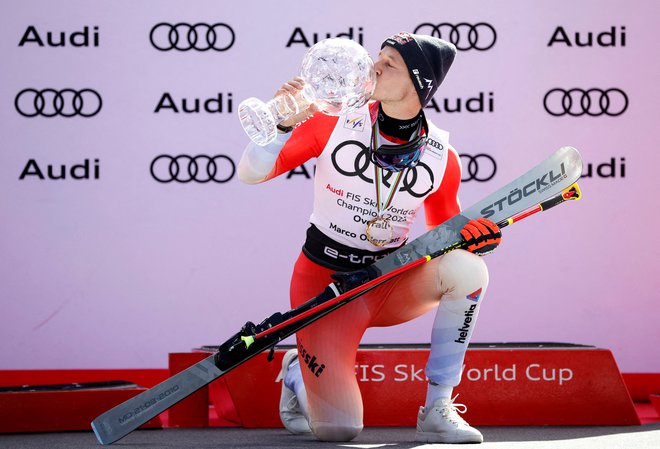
[
  {"x": 297, "y": 318},
  {"x": 546, "y": 180},
  {"x": 536, "y": 190}
]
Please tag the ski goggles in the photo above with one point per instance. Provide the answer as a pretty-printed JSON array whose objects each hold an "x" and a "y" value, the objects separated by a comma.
[{"x": 399, "y": 157}]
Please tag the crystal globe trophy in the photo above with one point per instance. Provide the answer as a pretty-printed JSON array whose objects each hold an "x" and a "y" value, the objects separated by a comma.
[{"x": 339, "y": 77}]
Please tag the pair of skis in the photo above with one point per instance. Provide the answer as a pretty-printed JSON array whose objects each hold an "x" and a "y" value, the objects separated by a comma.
[{"x": 550, "y": 183}]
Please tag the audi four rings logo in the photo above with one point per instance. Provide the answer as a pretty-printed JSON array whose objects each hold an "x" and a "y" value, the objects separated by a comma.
[
  {"x": 52, "y": 102},
  {"x": 592, "y": 102},
  {"x": 465, "y": 36},
  {"x": 480, "y": 167},
  {"x": 200, "y": 168},
  {"x": 184, "y": 36}
]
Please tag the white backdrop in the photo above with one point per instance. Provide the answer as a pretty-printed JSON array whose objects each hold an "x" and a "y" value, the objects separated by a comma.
[{"x": 119, "y": 269}]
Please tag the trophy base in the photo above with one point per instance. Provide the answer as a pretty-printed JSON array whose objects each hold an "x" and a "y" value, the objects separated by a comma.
[{"x": 257, "y": 121}]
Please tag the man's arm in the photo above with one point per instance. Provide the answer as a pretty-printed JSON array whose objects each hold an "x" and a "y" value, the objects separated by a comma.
[
  {"x": 258, "y": 162},
  {"x": 443, "y": 204},
  {"x": 288, "y": 151}
]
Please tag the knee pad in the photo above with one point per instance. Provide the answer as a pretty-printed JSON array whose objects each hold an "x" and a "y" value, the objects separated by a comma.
[{"x": 326, "y": 431}]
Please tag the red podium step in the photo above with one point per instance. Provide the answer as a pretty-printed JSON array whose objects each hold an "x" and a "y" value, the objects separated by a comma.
[
  {"x": 503, "y": 384},
  {"x": 48, "y": 408}
]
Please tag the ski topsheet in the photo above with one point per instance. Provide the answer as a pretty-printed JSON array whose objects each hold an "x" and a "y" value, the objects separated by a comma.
[{"x": 547, "y": 179}]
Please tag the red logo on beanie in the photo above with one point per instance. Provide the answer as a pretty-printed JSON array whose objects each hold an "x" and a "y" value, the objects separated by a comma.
[{"x": 402, "y": 38}]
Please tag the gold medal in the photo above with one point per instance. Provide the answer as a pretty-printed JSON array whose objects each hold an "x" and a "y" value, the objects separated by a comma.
[{"x": 379, "y": 231}]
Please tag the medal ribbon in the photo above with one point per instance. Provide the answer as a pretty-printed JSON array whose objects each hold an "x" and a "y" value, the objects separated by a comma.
[{"x": 379, "y": 176}]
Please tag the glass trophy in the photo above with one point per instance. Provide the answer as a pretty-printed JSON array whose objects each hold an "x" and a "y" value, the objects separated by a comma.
[{"x": 339, "y": 77}]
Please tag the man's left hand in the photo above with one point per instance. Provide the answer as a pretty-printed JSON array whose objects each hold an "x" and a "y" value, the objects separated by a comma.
[{"x": 481, "y": 236}]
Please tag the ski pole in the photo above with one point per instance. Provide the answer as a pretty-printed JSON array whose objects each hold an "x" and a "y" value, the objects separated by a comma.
[{"x": 570, "y": 193}]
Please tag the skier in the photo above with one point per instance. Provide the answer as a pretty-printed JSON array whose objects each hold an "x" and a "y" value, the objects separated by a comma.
[{"x": 374, "y": 169}]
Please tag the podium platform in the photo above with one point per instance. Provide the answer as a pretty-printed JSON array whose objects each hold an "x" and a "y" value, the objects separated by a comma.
[
  {"x": 530, "y": 384},
  {"x": 62, "y": 407}
]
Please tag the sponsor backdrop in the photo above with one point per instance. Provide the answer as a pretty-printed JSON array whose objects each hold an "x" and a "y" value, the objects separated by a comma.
[{"x": 125, "y": 233}]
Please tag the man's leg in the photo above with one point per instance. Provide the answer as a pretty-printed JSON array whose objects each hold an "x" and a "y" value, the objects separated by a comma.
[
  {"x": 326, "y": 354},
  {"x": 457, "y": 280}
]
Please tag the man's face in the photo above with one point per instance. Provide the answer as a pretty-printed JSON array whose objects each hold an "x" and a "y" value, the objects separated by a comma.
[{"x": 393, "y": 81}]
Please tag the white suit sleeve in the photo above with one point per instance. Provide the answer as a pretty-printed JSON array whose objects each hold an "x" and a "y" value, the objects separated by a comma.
[{"x": 257, "y": 161}]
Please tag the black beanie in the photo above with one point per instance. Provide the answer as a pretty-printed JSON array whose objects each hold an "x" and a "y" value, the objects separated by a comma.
[{"x": 428, "y": 60}]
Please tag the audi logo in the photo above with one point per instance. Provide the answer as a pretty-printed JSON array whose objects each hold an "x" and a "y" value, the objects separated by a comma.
[
  {"x": 480, "y": 167},
  {"x": 52, "y": 102},
  {"x": 184, "y": 36},
  {"x": 465, "y": 36},
  {"x": 592, "y": 102},
  {"x": 184, "y": 168}
]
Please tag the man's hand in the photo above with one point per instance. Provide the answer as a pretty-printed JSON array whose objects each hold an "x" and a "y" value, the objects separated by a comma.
[
  {"x": 482, "y": 236},
  {"x": 294, "y": 87}
]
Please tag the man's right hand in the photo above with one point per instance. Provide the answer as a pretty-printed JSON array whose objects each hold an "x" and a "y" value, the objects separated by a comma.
[
  {"x": 294, "y": 87},
  {"x": 481, "y": 236}
]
